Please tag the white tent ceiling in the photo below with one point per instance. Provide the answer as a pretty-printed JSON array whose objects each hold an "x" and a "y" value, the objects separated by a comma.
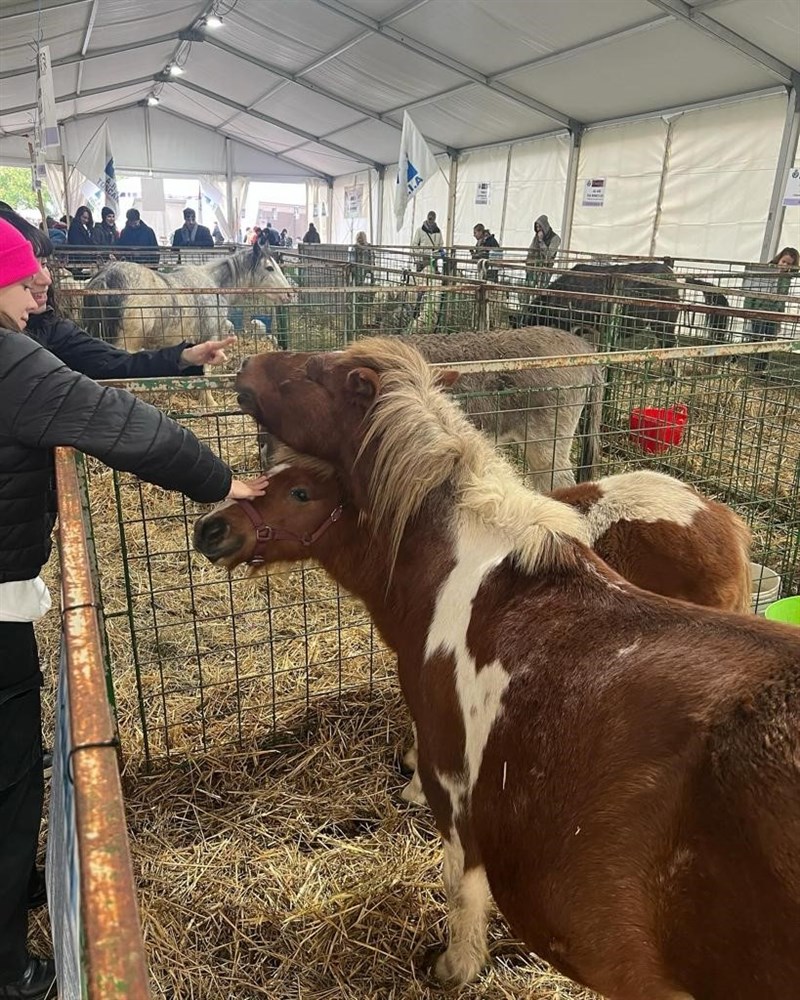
[{"x": 320, "y": 85}]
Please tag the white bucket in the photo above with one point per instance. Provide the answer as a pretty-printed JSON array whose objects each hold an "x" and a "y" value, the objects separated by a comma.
[{"x": 766, "y": 585}]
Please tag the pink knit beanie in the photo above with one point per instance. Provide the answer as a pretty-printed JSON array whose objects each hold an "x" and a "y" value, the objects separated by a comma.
[{"x": 17, "y": 260}]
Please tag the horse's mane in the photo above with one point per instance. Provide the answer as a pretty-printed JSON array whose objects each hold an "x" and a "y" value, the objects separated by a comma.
[
  {"x": 423, "y": 441},
  {"x": 284, "y": 455}
]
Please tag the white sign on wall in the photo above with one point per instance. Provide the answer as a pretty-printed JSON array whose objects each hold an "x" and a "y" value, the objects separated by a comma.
[
  {"x": 483, "y": 193},
  {"x": 791, "y": 196},
  {"x": 354, "y": 201},
  {"x": 594, "y": 192}
]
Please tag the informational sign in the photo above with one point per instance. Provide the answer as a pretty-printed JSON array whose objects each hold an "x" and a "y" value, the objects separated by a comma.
[
  {"x": 594, "y": 192},
  {"x": 791, "y": 196},
  {"x": 354, "y": 202},
  {"x": 63, "y": 871},
  {"x": 483, "y": 193}
]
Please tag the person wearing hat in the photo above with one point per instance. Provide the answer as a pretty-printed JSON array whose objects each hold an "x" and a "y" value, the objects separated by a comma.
[
  {"x": 191, "y": 234},
  {"x": 43, "y": 403},
  {"x": 105, "y": 232}
]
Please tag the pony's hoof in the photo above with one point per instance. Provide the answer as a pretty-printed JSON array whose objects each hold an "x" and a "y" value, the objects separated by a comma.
[
  {"x": 459, "y": 965},
  {"x": 413, "y": 792},
  {"x": 410, "y": 758}
]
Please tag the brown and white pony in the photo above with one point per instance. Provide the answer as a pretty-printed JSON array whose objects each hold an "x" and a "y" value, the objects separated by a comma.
[
  {"x": 657, "y": 532},
  {"x": 621, "y": 770}
]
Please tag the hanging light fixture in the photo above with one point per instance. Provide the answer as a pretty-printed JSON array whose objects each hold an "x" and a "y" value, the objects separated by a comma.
[
  {"x": 152, "y": 101},
  {"x": 175, "y": 70},
  {"x": 212, "y": 21}
]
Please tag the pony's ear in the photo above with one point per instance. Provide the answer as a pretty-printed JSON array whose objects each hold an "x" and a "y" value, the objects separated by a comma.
[
  {"x": 363, "y": 384},
  {"x": 447, "y": 379}
]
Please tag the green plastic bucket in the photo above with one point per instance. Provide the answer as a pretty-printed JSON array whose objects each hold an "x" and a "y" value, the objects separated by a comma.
[{"x": 787, "y": 611}]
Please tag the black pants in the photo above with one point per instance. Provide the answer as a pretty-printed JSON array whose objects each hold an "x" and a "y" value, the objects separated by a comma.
[{"x": 21, "y": 788}]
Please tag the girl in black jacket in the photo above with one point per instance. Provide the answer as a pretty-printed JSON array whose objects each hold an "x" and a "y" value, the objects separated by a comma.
[
  {"x": 44, "y": 403},
  {"x": 80, "y": 229}
]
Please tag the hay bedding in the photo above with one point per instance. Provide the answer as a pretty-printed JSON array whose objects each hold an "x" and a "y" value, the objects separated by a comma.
[{"x": 288, "y": 866}]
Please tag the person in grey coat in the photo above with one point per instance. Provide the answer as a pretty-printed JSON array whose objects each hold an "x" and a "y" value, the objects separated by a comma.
[{"x": 541, "y": 253}]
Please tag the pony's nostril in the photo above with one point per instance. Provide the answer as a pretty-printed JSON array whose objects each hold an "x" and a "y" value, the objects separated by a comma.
[{"x": 212, "y": 532}]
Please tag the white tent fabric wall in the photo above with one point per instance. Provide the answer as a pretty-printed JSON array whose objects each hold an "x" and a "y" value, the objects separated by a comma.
[
  {"x": 629, "y": 158},
  {"x": 719, "y": 181},
  {"x": 482, "y": 167},
  {"x": 536, "y": 186},
  {"x": 432, "y": 197},
  {"x": 345, "y": 227}
]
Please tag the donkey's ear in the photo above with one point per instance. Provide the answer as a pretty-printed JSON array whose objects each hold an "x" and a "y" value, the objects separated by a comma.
[
  {"x": 447, "y": 379},
  {"x": 363, "y": 384}
]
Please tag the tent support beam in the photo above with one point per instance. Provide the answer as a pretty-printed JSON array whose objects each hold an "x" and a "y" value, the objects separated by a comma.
[
  {"x": 786, "y": 155},
  {"x": 683, "y": 11},
  {"x": 379, "y": 205},
  {"x": 570, "y": 187},
  {"x": 505, "y": 195},
  {"x": 662, "y": 181},
  {"x": 233, "y": 223},
  {"x": 291, "y": 129},
  {"x": 402, "y": 39},
  {"x": 450, "y": 225}
]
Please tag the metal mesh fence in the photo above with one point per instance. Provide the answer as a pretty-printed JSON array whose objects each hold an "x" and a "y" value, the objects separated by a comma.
[{"x": 200, "y": 658}]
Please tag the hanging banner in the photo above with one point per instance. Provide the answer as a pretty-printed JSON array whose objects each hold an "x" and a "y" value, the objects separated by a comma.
[
  {"x": 791, "y": 196},
  {"x": 46, "y": 99},
  {"x": 594, "y": 192},
  {"x": 483, "y": 193},
  {"x": 416, "y": 165},
  {"x": 96, "y": 163},
  {"x": 354, "y": 202}
]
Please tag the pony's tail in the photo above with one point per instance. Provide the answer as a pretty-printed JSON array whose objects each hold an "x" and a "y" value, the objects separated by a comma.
[
  {"x": 101, "y": 316},
  {"x": 744, "y": 583},
  {"x": 592, "y": 419}
]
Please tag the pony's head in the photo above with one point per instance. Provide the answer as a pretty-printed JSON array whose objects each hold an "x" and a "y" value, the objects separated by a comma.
[
  {"x": 258, "y": 268},
  {"x": 302, "y": 503}
]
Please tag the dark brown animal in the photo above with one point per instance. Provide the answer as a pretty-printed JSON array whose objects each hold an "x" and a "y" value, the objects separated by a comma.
[{"x": 622, "y": 770}]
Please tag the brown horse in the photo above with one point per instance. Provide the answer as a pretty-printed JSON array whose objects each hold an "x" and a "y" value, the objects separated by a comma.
[
  {"x": 652, "y": 529},
  {"x": 622, "y": 770}
]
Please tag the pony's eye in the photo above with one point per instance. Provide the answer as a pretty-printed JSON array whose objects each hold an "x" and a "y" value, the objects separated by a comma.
[{"x": 299, "y": 494}]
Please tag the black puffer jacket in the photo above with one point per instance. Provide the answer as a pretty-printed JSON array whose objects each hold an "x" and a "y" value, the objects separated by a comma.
[
  {"x": 43, "y": 404},
  {"x": 97, "y": 359}
]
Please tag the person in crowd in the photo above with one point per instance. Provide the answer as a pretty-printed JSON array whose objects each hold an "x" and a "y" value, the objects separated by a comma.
[
  {"x": 105, "y": 232},
  {"x": 288, "y": 242},
  {"x": 284, "y": 237},
  {"x": 56, "y": 232},
  {"x": 80, "y": 229},
  {"x": 485, "y": 242},
  {"x": 361, "y": 272},
  {"x": 427, "y": 242},
  {"x": 191, "y": 234},
  {"x": 271, "y": 236},
  {"x": 256, "y": 235},
  {"x": 216, "y": 235},
  {"x": 45, "y": 403},
  {"x": 541, "y": 253},
  {"x": 90, "y": 355},
  {"x": 312, "y": 236},
  {"x": 137, "y": 233},
  {"x": 774, "y": 278}
]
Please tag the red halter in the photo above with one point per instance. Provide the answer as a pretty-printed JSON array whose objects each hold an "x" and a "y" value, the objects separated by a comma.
[{"x": 267, "y": 533}]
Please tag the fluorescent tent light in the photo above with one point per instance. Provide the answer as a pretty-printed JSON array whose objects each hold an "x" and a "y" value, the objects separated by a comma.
[
  {"x": 175, "y": 70},
  {"x": 212, "y": 21}
]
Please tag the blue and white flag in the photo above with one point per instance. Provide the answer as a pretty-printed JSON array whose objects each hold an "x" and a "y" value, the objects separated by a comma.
[
  {"x": 415, "y": 167},
  {"x": 96, "y": 163}
]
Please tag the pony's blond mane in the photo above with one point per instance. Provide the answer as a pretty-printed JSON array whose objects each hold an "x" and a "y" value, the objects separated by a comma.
[{"x": 423, "y": 441}]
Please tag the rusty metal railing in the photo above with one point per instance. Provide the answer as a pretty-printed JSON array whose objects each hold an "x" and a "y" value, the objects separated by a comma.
[{"x": 113, "y": 960}]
